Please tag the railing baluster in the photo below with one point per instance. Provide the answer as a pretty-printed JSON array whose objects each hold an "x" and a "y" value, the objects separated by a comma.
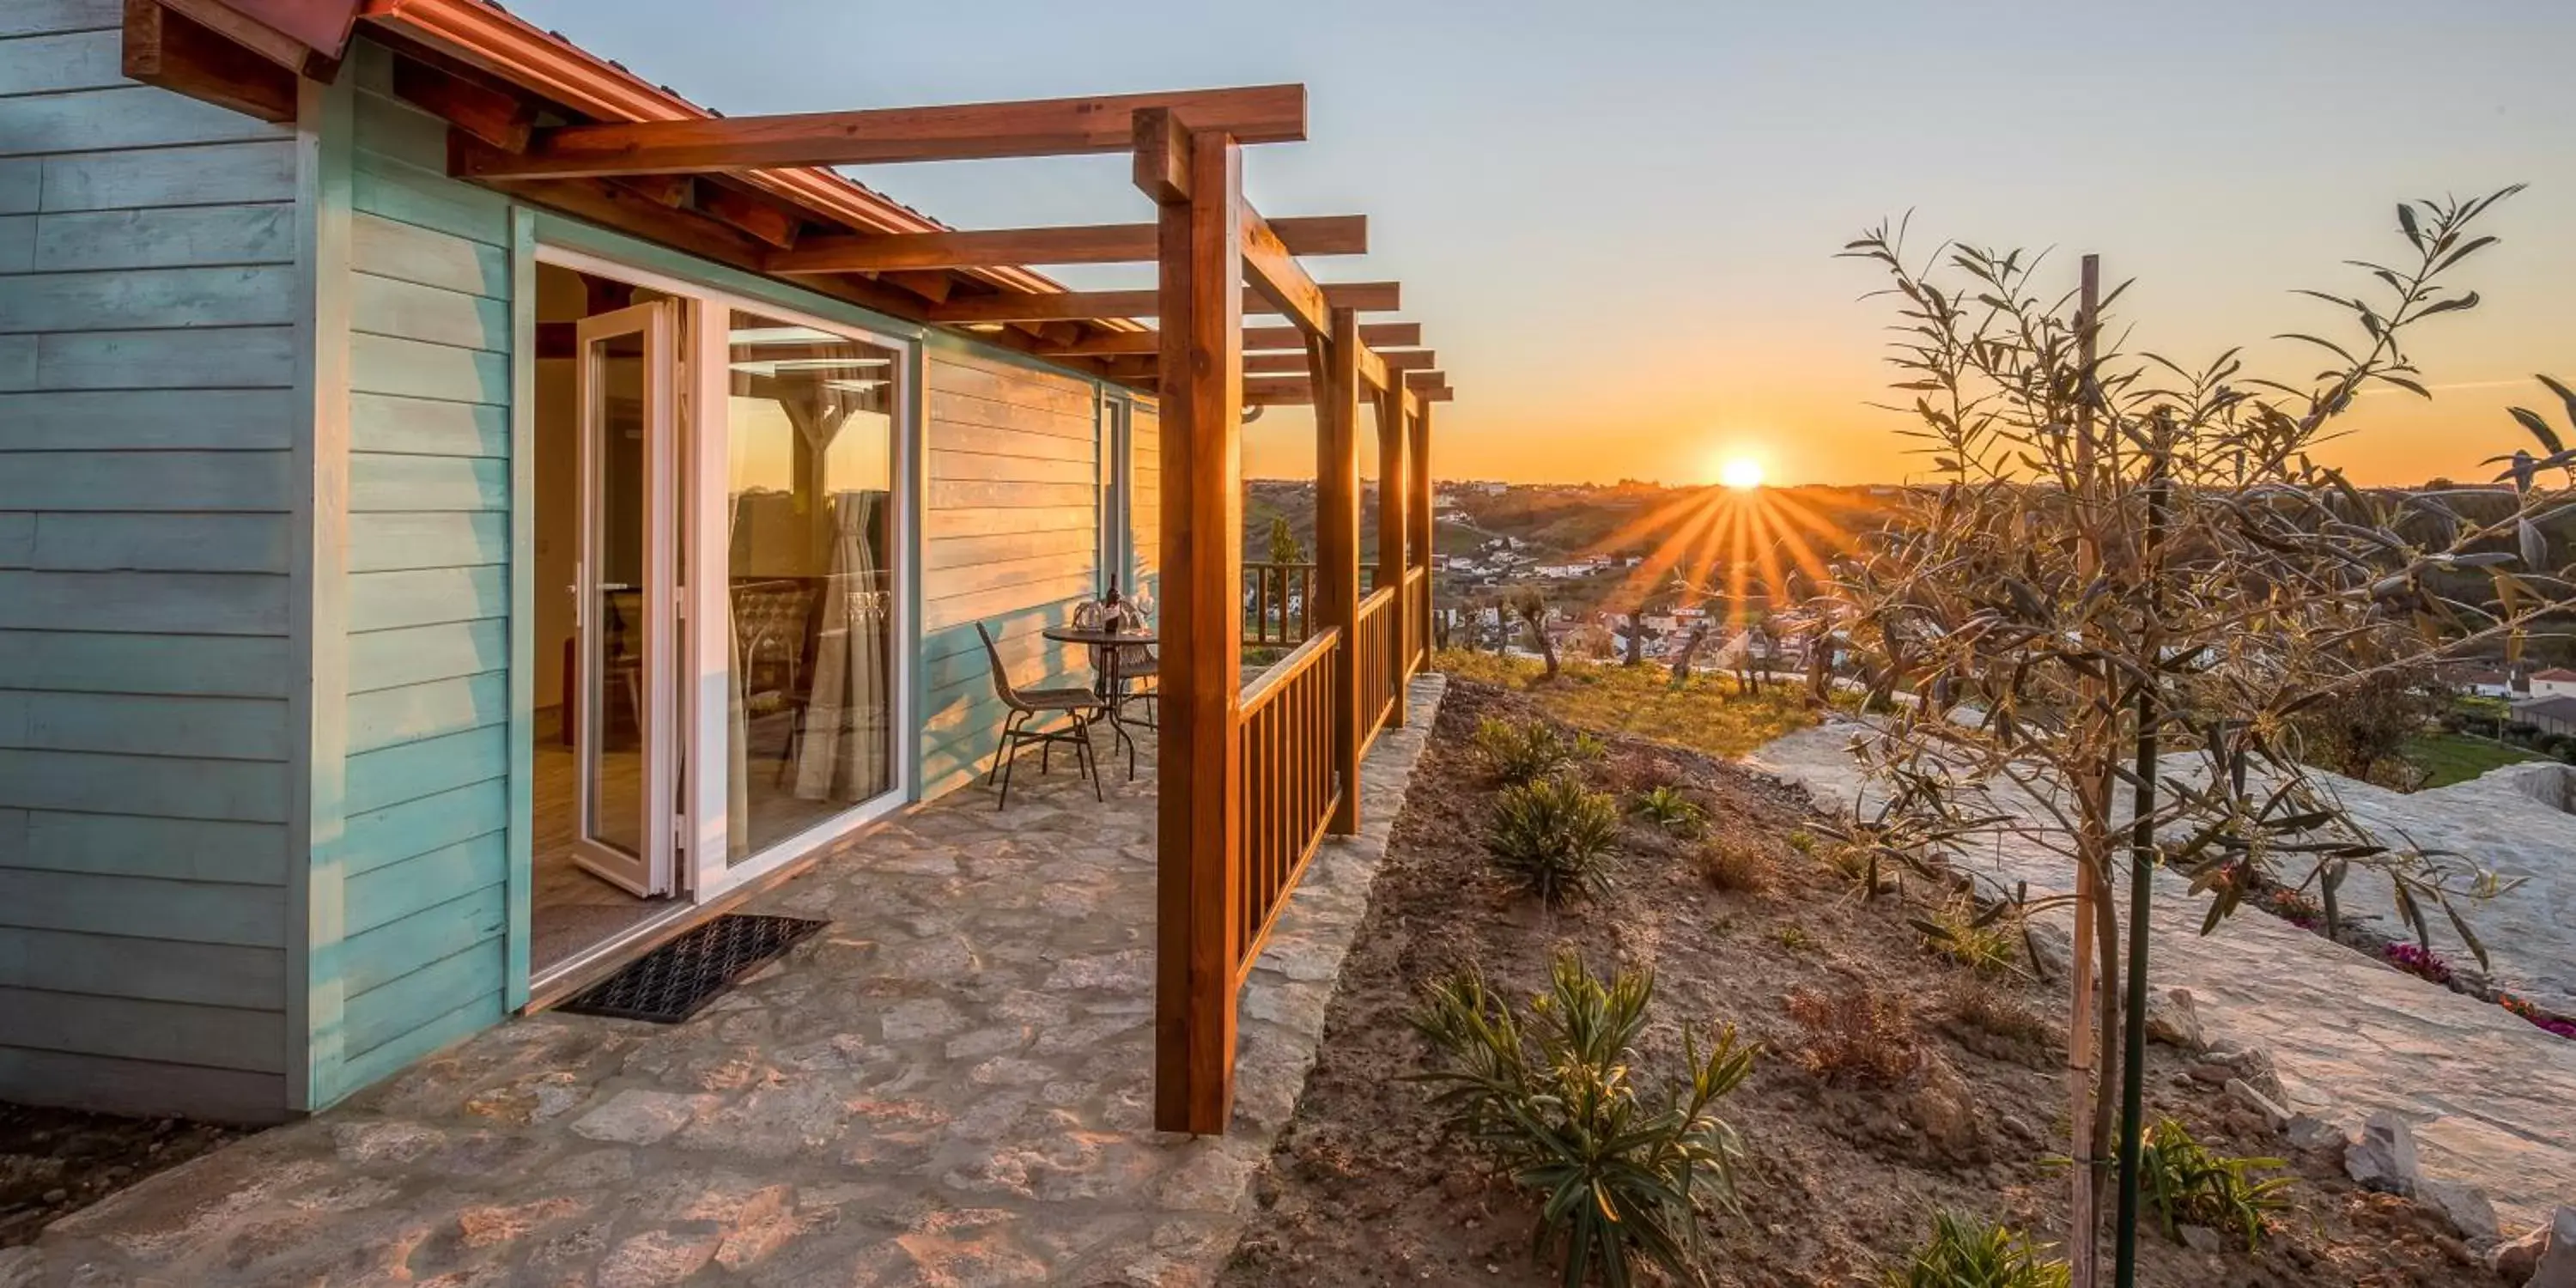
[{"x": 1289, "y": 779}]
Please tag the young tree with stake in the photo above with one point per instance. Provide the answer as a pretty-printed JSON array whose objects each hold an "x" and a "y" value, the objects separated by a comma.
[{"x": 2120, "y": 557}]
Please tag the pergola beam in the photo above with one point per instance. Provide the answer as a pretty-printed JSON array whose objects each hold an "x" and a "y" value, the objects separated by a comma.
[
  {"x": 1291, "y": 364},
  {"x": 1274, "y": 274},
  {"x": 1298, "y": 391},
  {"x": 1088, "y": 306},
  {"x": 878, "y": 136},
  {"x": 1008, "y": 247},
  {"x": 174, "y": 52},
  {"x": 1256, "y": 339}
]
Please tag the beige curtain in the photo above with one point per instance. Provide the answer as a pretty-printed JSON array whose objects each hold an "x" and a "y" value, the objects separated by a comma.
[
  {"x": 845, "y": 757},
  {"x": 737, "y": 718}
]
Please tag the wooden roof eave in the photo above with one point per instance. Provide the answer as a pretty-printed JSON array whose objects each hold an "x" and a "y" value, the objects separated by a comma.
[{"x": 494, "y": 41}]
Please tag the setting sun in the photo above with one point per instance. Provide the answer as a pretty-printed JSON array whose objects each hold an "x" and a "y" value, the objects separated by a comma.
[{"x": 1741, "y": 473}]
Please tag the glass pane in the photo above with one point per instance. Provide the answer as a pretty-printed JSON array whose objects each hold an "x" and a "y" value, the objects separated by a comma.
[
  {"x": 810, "y": 575},
  {"x": 613, "y": 671}
]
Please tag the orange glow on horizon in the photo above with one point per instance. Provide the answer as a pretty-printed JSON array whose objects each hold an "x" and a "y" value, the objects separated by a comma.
[{"x": 1734, "y": 543}]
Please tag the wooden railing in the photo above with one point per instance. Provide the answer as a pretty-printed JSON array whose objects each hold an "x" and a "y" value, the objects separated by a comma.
[
  {"x": 1280, "y": 598},
  {"x": 1375, "y": 646},
  {"x": 1289, "y": 791}
]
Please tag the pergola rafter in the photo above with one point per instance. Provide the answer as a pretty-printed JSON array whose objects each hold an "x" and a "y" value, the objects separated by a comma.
[
  {"x": 879, "y": 136},
  {"x": 1084, "y": 306},
  {"x": 1256, "y": 339},
  {"x": 1080, "y": 244}
]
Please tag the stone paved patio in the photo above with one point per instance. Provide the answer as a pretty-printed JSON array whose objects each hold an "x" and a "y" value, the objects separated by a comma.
[
  {"x": 952, "y": 1086},
  {"x": 2491, "y": 1098}
]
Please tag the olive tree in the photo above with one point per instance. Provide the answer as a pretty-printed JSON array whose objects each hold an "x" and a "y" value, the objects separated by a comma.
[{"x": 2118, "y": 556}]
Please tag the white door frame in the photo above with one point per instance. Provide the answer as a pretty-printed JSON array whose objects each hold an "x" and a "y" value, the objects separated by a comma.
[
  {"x": 649, "y": 872},
  {"x": 705, "y": 660}
]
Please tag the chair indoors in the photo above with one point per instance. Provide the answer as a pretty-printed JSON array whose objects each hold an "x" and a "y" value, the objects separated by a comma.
[{"x": 1031, "y": 720}]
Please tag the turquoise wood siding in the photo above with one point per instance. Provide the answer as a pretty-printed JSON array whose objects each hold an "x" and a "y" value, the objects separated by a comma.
[
  {"x": 1010, "y": 538},
  {"x": 149, "y": 410},
  {"x": 422, "y": 857}
]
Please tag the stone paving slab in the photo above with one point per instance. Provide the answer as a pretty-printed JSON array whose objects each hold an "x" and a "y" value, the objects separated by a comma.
[
  {"x": 951, "y": 1085},
  {"x": 2491, "y": 1098}
]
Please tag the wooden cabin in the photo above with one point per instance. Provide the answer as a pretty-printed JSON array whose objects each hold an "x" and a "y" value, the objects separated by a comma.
[{"x": 420, "y": 440}]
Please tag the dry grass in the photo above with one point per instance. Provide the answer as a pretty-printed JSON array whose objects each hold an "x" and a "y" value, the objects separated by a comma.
[
  {"x": 1859, "y": 1035},
  {"x": 1705, "y": 715},
  {"x": 1736, "y": 864},
  {"x": 1990, "y": 1010}
]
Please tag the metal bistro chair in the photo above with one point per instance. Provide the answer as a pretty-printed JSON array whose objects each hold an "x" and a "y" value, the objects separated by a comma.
[
  {"x": 1029, "y": 708},
  {"x": 1138, "y": 662}
]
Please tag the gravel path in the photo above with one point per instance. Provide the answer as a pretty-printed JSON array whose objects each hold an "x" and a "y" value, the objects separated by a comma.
[{"x": 2491, "y": 1098}]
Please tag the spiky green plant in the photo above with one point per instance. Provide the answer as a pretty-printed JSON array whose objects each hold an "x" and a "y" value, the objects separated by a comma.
[
  {"x": 1550, "y": 1098},
  {"x": 1521, "y": 751},
  {"x": 1666, "y": 807},
  {"x": 1556, "y": 836},
  {"x": 1971, "y": 1252},
  {"x": 1983, "y": 940},
  {"x": 2192, "y": 1184},
  {"x": 1588, "y": 747}
]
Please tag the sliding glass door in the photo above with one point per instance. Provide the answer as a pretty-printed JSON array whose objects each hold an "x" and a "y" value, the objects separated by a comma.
[{"x": 811, "y": 574}]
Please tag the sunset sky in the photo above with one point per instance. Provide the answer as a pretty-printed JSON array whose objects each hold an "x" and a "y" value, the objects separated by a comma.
[{"x": 1617, "y": 221}]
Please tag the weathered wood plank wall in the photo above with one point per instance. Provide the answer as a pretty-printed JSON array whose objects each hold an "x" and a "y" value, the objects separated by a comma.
[{"x": 148, "y": 305}]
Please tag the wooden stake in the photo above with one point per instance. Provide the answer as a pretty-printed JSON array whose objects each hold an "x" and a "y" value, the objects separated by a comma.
[{"x": 2083, "y": 1227}]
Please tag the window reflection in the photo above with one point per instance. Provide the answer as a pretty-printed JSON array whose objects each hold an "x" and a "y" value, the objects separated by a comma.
[{"x": 811, "y": 566}]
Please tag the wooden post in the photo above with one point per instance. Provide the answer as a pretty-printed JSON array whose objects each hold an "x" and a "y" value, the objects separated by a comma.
[
  {"x": 1390, "y": 532},
  {"x": 1417, "y": 476},
  {"x": 1197, "y": 834},
  {"x": 1337, "y": 543}
]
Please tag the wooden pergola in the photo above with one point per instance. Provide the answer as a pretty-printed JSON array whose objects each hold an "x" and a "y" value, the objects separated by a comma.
[{"x": 1253, "y": 777}]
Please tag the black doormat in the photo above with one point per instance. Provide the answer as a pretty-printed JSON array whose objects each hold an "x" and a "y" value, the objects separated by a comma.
[{"x": 670, "y": 983}]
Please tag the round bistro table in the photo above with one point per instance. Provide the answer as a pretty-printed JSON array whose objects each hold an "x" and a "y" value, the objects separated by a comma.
[{"x": 1105, "y": 677}]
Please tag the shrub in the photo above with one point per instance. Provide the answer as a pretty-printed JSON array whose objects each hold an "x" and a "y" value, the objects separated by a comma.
[
  {"x": 1521, "y": 751},
  {"x": 1588, "y": 748},
  {"x": 1967, "y": 1252},
  {"x": 1803, "y": 841},
  {"x": 1982, "y": 1007},
  {"x": 1735, "y": 865},
  {"x": 1985, "y": 942},
  {"x": 1667, "y": 808},
  {"x": 1556, "y": 836},
  {"x": 1550, "y": 1100},
  {"x": 1794, "y": 937},
  {"x": 2191, "y": 1184},
  {"x": 2555, "y": 744},
  {"x": 1859, "y": 1034}
]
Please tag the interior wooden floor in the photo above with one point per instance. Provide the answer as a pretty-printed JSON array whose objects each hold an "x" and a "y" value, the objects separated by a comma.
[{"x": 570, "y": 909}]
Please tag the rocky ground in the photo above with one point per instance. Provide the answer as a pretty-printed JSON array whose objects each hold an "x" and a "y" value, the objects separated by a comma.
[
  {"x": 1963, "y": 1112},
  {"x": 54, "y": 1161}
]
